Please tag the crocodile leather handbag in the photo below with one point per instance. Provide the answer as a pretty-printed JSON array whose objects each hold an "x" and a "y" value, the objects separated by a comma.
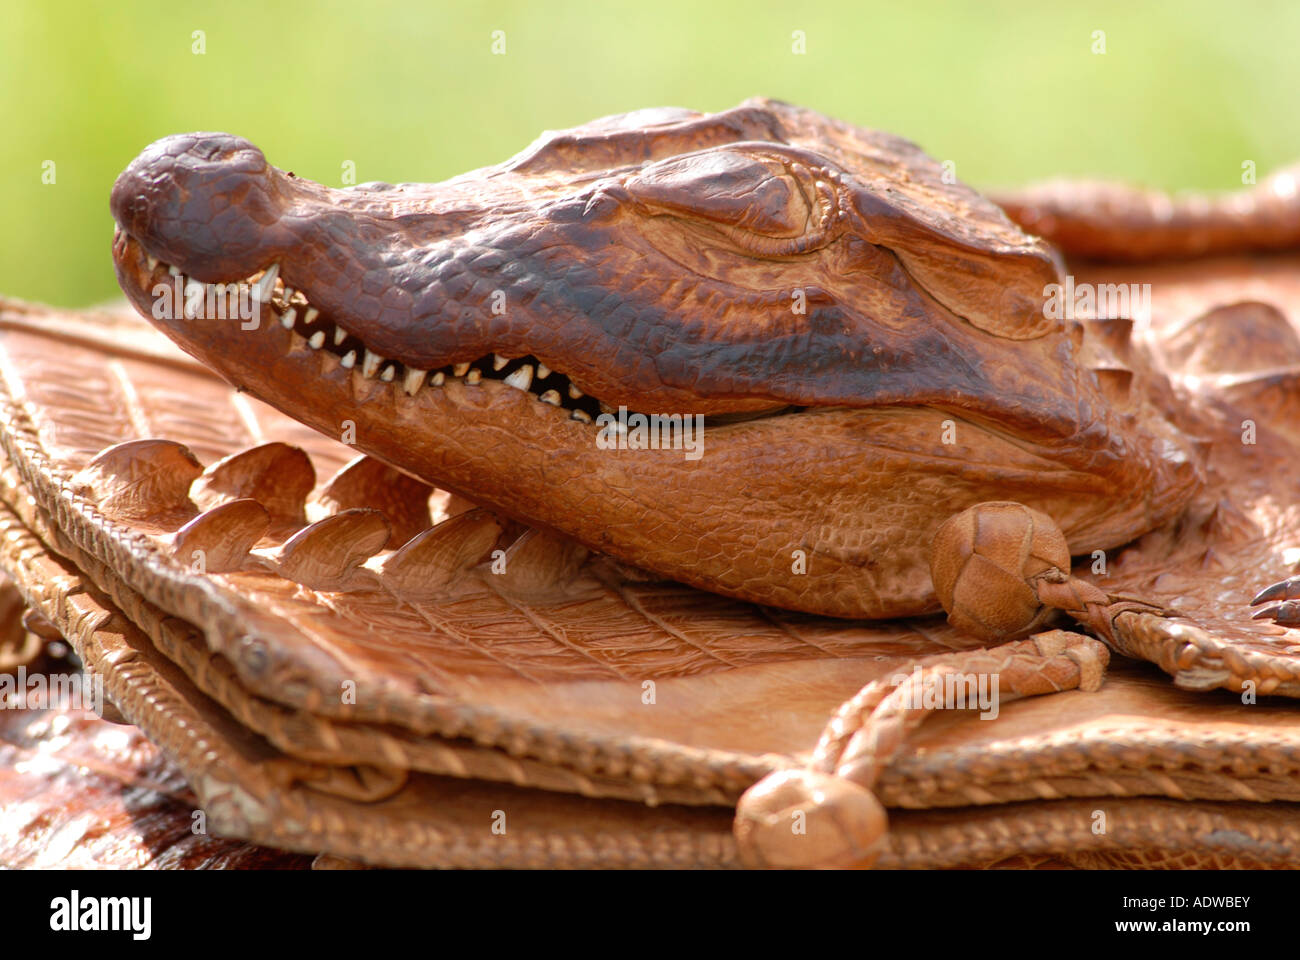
[{"x": 343, "y": 660}]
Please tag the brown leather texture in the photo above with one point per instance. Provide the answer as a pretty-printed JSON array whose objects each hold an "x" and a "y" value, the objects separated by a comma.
[{"x": 333, "y": 683}]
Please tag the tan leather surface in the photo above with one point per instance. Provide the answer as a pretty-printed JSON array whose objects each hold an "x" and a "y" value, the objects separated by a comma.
[
  {"x": 440, "y": 821},
  {"x": 247, "y": 788}
]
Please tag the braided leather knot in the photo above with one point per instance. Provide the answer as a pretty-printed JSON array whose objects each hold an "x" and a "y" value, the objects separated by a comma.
[
  {"x": 984, "y": 563},
  {"x": 1001, "y": 570},
  {"x": 845, "y": 823}
]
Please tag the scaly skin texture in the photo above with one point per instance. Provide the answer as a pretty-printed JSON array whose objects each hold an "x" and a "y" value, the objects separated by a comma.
[{"x": 867, "y": 341}]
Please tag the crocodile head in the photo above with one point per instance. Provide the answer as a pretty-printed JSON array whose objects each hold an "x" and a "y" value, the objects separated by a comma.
[{"x": 864, "y": 338}]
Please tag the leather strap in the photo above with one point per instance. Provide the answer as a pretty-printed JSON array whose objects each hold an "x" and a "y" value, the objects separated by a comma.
[{"x": 825, "y": 814}]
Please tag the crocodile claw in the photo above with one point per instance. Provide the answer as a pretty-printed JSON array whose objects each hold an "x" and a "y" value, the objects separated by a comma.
[
  {"x": 1282, "y": 590},
  {"x": 1286, "y": 614}
]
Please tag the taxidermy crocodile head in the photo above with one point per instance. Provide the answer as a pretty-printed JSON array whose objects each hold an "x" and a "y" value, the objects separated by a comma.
[{"x": 865, "y": 340}]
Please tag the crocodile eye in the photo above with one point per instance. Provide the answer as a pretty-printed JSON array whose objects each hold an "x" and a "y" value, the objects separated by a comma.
[{"x": 749, "y": 197}]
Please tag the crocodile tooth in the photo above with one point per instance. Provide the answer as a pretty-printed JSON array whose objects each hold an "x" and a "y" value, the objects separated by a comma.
[
  {"x": 474, "y": 376},
  {"x": 543, "y": 371},
  {"x": 266, "y": 286},
  {"x": 606, "y": 408},
  {"x": 174, "y": 270},
  {"x": 311, "y": 314},
  {"x": 439, "y": 379},
  {"x": 460, "y": 369},
  {"x": 414, "y": 380},
  {"x": 580, "y": 415},
  {"x": 575, "y": 393},
  {"x": 339, "y": 335},
  {"x": 317, "y": 340},
  {"x": 288, "y": 293},
  {"x": 499, "y": 361},
  {"x": 552, "y": 397},
  {"x": 288, "y": 317},
  {"x": 152, "y": 261},
  {"x": 522, "y": 378},
  {"x": 349, "y": 359},
  {"x": 390, "y": 371},
  {"x": 370, "y": 364}
]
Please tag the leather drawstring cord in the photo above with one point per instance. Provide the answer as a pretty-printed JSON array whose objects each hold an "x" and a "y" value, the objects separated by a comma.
[
  {"x": 825, "y": 814},
  {"x": 1001, "y": 570},
  {"x": 1090, "y": 605}
]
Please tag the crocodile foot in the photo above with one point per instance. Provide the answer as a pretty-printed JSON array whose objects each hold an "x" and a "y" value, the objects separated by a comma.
[{"x": 1287, "y": 612}]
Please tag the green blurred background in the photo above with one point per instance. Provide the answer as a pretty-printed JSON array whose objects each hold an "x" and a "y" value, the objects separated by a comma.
[{"x": 1009, "y": 91}]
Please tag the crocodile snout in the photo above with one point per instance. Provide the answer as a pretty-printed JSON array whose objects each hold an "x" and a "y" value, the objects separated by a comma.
[{"x": 206, "y": 202}]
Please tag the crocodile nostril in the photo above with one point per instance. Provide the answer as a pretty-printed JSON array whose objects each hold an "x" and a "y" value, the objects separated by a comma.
[{"x": 202, "y": 201}]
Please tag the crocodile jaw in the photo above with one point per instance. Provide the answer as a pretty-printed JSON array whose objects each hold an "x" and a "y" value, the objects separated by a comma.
[
  {"x": 856, "y": 483},
  {"x": 854, "y": 489}
]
